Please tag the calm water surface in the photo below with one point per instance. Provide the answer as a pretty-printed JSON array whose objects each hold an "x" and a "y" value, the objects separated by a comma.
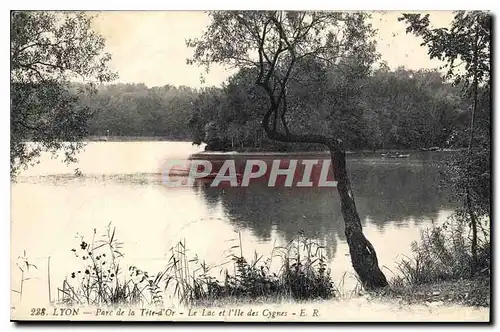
[{"x": 122, "y": 185}]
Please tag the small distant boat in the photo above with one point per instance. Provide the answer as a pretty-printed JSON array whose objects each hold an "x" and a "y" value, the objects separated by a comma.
[
  {"x": 395, "y": 155},
  {"x": 433, "y": 148}
]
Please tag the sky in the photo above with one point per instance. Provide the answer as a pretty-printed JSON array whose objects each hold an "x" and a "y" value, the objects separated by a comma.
[{"x": 149, "y": 46}]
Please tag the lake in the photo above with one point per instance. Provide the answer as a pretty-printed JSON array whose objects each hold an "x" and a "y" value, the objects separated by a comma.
[{"x": 122, "y": 185}]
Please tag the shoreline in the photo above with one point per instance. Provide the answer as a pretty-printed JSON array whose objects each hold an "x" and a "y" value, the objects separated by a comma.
[
  {"x": 133, "y": 139},
  {"x": 115, "y": 139},
  {"x": 146, "y": 139}
]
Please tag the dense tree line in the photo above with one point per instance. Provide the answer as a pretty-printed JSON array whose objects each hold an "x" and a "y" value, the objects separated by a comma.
[
  {"x": 136, "y": 110},
  {"x": 383, "y": 109}
]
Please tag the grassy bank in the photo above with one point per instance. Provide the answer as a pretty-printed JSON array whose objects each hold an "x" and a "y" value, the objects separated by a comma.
[
  {"x": 441, "y": 268},
  {"x": 473, "y": 291},
  {"x": 439, "y": 271}
]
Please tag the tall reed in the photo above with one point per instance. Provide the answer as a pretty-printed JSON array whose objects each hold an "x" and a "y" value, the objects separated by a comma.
[{"x": 301, "y": 274}]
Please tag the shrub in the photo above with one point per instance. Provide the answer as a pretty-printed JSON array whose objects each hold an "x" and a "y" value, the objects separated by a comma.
[{"x": 443, "y": 253}]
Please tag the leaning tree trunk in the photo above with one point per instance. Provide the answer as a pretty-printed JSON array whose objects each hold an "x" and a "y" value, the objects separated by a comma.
[{"x": 363, "y": 256}]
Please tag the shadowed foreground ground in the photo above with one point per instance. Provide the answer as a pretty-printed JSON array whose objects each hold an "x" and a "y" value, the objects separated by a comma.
[{"x": 470, "y": 292}]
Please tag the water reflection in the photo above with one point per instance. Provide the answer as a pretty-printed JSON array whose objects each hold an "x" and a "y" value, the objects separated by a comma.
[
  {"x": 386, "y": 193},
  {"x": 128, "y": 190}
]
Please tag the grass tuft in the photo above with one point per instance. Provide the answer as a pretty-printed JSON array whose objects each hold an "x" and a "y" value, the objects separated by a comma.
[
  {"x": 101, "y": 281},
  {"x": 442, "y": 267},
  {"x": 302, "y": 275}
]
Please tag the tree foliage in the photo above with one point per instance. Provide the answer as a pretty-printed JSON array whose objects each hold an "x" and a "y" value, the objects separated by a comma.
[
  {"x": 280, "y": 47},
  {"x": 454, "y": 44},
  {"x": 48, "y": 50},
  {"x": 465, "y": 48}
]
